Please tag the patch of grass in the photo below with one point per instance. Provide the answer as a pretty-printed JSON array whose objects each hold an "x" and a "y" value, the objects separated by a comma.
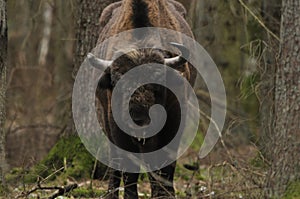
[
  {"x": 197, "y": 142},
  {"x": 87, "y": 193},
  {"x": 293, "y": 191},
  {"x": 180, "y": 194},
  {"x": 182, "y": 173}
]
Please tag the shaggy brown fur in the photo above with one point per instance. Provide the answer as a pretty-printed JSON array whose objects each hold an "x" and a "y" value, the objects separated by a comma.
[
  {"x": 113, "y": 8},
  {"x": 169, "y": 14},
  {"x": 127, "y": 15}
]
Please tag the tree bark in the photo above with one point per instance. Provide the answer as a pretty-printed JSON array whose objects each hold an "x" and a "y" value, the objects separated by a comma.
[
  {"x": 3, "y": 68},
  {"x": 46, "y": 36},
  {"x": 87, "y": 27},
  {"x": 285, "y": 141},
  {"x": 271, "y": 15}
]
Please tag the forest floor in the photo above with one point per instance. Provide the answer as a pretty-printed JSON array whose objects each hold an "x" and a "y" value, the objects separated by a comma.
[{"x": 224, "y": 173}]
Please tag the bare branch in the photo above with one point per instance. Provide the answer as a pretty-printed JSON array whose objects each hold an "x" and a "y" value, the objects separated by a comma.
[{"x": 259, "y": 21}]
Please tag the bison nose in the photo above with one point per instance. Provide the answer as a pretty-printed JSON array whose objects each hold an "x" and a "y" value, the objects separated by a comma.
[{"x": 139, "y": 114}]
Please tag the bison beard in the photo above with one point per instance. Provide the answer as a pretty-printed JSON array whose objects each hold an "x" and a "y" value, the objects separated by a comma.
[{"x": 126, "y": 15}]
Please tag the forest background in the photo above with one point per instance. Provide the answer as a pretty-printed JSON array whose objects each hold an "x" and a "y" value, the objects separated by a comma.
[{"x": 254, "y": 43}]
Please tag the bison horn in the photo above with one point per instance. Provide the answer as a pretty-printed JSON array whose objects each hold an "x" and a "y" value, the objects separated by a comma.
[
  {"x": 98, "y": 63},
  {"x": 178, "y": 60}
]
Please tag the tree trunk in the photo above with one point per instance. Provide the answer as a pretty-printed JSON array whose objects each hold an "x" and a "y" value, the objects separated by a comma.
[
  {"x": 87, "y": 27},
  {"x": 285, "y": 141},
  {"x": 87, "y": 32},
  {"x": 3, "y": 65},
  {"x": 271, "y": 15}
]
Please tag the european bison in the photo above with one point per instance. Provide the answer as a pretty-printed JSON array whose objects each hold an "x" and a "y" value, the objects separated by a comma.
[{"x": 127, "y": 15}]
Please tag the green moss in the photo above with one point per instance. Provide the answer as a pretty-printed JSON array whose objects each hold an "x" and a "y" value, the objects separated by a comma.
[
  {"x": 3, "y": 190},
  {"x": 258, "y": 162},
  {"x": 21, "y": 175},
  {"x": 71, "y": 153},
  {"x": 68, "y": 158},
  {"x": 87, "y": 193},
  {"x": 293, "y": 191}
]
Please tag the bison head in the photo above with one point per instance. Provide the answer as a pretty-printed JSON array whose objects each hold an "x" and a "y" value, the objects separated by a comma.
[{"x": 147, "y": 95}]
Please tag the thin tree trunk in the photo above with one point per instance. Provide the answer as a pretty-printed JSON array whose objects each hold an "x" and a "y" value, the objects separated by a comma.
[
  {"x": 44, "y": 46},
  {"x": 285, "y": 141},
  {"x": 3, "y": 65}
]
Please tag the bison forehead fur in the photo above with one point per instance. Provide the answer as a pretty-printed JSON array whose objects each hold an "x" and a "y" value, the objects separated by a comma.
[
  {"x": 134, "y": 58},
  {"x": 145, "y": 95}
]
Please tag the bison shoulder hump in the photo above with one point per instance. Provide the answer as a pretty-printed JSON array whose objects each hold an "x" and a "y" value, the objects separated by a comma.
[{"x": 108, "y": 13}]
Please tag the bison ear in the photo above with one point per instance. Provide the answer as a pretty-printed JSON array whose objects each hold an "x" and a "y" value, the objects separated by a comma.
[{"x": 105, "y": 81}]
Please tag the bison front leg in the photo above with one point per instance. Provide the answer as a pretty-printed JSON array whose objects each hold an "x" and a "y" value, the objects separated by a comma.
[
  {"x": 162, "y": 182},
  {"x": 130, "y": 185}
]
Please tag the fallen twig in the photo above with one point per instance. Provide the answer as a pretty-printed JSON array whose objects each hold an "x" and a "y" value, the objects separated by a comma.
[{"x": 61, "y": 190}]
